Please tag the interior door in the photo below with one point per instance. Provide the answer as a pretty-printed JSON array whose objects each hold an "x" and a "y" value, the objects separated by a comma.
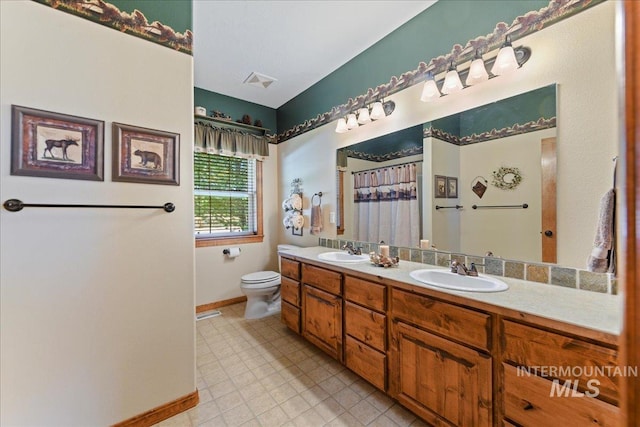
[{"x": 548, "y": 203}]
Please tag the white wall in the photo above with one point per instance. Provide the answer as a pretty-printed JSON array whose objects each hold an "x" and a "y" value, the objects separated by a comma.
[
  {"x": 217, "y": 276},
  {"x": 577, "y": 53},
  {"x": 506, "y": 232},
  {"x": 96, "y": 305}
]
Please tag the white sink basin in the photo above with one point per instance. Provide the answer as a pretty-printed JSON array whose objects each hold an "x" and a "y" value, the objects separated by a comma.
[
  {"x": 457, "y": 282},
  {"x": 343, "y": 257}
]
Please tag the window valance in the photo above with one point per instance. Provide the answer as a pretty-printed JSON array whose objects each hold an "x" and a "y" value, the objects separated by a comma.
[{"x": 229, "y": 142}]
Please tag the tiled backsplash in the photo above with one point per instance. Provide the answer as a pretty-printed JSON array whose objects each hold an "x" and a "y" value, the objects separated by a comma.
[{"x": 535, "y": 272}]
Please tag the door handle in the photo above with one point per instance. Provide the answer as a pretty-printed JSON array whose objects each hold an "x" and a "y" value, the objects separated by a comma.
[{"x": 548, "y": 233}]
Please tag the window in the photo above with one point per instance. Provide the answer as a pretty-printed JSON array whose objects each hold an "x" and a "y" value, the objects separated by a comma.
[{"x": 227, "y": 200}]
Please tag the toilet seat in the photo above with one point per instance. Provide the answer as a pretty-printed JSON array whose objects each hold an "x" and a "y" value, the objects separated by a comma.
[{"x": 260, "y": 279}]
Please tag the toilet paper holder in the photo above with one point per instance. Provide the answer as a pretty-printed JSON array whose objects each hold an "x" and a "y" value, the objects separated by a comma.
[{"x": 228, "y": 251}]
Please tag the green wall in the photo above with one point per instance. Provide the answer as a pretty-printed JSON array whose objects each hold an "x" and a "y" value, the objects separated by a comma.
[
  {"x": 521, "y": 109},
  {"x": 177, "y": 14},
  {"x": 235, "y": 107},
  {"x": 430, "y": 34}
]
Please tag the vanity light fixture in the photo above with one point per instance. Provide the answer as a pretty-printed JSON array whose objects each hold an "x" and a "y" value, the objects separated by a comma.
[
  {"x": 342, "y": 125},
  {"x": 377, "y": 111},
  {"x": 352, "y": 122},
  {"x": 477, "y": 71},
  {"x": 366, "y": 114},
  {"x": 452, "y": 82},
  {"x": 363, "y": 116},
  {"x": 430, "y": 90},
  {"x": 507, "y": 60}
]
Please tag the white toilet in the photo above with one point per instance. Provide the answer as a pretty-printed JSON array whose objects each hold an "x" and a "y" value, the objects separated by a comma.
[{"x": 263, "y": 290}]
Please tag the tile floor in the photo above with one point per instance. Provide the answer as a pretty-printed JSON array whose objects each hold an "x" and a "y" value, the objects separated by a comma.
[{"x": 258, "y": 373}]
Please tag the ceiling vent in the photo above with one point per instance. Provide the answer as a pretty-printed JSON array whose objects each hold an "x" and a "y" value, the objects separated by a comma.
[{"x": 259, "y": 80}]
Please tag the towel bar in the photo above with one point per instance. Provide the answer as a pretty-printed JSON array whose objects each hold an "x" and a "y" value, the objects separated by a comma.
[{"x": 15, "y": 205}]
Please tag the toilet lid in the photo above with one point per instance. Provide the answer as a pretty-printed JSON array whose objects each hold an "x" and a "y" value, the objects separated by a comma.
[{"x": 260, "y": 277}]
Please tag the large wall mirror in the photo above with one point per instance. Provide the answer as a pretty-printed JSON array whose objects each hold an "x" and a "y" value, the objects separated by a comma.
[{"x": 484, "y": 181}]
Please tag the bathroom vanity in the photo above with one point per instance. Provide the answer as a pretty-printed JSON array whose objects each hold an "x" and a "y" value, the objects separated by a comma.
[{"x": 529, "y": 356}]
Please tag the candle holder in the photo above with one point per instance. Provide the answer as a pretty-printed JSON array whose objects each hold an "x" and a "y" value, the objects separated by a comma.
[{"x": 385, "y": 261}]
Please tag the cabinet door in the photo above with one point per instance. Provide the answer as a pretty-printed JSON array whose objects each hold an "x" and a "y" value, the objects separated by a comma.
[
  {"x": 322, "y": 324},
  {"x": 442, "y": 381}
]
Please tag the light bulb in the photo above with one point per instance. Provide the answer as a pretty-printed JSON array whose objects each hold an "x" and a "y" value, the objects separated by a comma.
[
  {"x": 377, "y": 112},
  {"x": 477, "y": 71},
  {"x": 430, "y": 90},
  {"x": 506, "y": 61},
  {"x": 352, "y": 122},
  {"x": 341, "y": 127},
  {"x": 452, "y": 81},
  {"x": 363, "y": 116}
]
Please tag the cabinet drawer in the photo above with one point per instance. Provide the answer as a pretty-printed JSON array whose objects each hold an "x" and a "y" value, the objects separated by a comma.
[
  {"x": 290, "y": 291},
  {"x": 365, "y": 325},
  {"x": 327, "y": 280},
  {"x": 366, "y": 362},
  {"x": 558, "y": 354},
  {"x": 365, "y": 293},
  {"x": 290, "y": 268},
  {"x": 290, "y": 316},
  {"x": 467, "y": 326},
  {"x": 528, "y": 402}
]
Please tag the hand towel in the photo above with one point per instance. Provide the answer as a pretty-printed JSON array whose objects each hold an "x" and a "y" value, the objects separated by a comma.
[
  {"x": 316, "y": 219},
  {"x": 600, "y": 260}
]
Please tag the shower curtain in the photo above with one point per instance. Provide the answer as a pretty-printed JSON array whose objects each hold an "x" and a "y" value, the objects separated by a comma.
[{"x": 386, "y": 205}]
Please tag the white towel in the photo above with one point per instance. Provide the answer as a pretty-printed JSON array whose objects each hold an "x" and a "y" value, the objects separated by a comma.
[
  {"x": 600, "y": 259},
  {"x": 316, "y": 219}
]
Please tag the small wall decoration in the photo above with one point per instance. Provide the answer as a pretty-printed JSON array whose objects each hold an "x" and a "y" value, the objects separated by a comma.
[
  {"x": 55, "y": 145},
  {"x": 506, "y": 178},
  {"x": 145, "y": 155},
  {"x": 440, "y": 186},
  {"x": 479, "y": 187},
  {"x": 452, "y": 187}
]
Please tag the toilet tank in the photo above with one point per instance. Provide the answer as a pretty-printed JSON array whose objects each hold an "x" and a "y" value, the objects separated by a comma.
[{"x": 284, "y": 248}]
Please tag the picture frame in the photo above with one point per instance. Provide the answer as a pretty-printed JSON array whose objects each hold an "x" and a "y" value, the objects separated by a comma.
[
  {"x": 440, "y": 186},
  {"x": 54, "y": 145},
  {"x": 145, "y": 156},
  {"x": 452, "y": 187}
]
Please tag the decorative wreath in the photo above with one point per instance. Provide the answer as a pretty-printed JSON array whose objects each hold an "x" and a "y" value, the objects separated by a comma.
[{"x": 506, "y": 178}]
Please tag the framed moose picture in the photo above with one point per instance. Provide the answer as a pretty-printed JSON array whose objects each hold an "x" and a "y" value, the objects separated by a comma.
[
  {"x": 55, "y": 145},
  {"x": 440, "y": 186},
  {"x": 145, "y": 155}
]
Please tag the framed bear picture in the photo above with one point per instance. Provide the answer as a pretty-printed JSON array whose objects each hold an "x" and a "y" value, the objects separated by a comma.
[{"x": 145, "y": 155}]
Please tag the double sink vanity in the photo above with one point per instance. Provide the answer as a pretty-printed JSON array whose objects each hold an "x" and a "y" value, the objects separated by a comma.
[{"x": 528, "y": 355}]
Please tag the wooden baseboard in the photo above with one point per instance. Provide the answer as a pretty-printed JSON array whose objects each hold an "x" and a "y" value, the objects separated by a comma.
[
  {"x": 218, "y": 304},
  {"x": 162, "y": 412}
]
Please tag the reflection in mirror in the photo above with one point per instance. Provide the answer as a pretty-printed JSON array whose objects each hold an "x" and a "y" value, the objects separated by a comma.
[
  {"x": 497, "y": 157},
  {"x": 383, "y": 176}
]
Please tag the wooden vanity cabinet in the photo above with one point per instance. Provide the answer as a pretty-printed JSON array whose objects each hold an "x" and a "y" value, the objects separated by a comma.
[
  {"x": 567, "y": 389},
  {"x": 290, "y": 293},
  {"x": 444, "y": 381},
  {"x": 365, "y": 328},
  {"x": 322, "y": 309},
  {"x": 449, "y": 363}
]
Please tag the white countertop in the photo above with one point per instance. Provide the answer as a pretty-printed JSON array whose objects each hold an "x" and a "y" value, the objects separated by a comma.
[{"x": 593, "y": 310}]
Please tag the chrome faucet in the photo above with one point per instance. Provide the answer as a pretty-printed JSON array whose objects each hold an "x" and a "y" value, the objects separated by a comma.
[
  {"x": 351, "y": 250},
  {"x": 461, "y": 269}
]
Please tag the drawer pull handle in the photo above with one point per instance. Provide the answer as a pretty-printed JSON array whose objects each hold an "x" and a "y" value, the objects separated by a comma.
[{"x": 528, "y": 406}]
